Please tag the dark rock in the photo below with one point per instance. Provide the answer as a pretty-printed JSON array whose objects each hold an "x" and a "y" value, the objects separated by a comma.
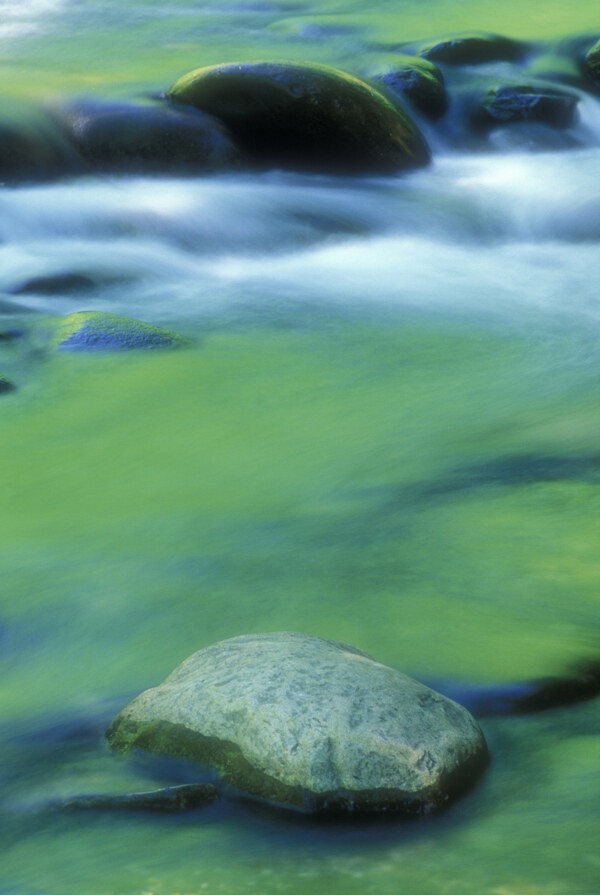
[
  {"x": 311, "y": 724},
  {"x": 55, "y": 284},
  {"x": 6, "y": 385},
  {"x": 129, "y": 137},
  {"x": 419, "y": 81},
  {"x": 101, "y": 331},
  {"x": 474, "y": 49},
  {"x": 305, "y": 117},
  {"x": 515, "y": 103},
  {"x": 591, "y": 64},
  {"x": 32, "y": 147}
]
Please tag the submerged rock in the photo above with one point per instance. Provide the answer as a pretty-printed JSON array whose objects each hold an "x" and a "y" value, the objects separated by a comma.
[
  {"x": 474, "y": 49},
  {"x": 6, "y": 385},
  {"x": 419, "y": 81},
  {"x": 517, "y": 103},
  {"x": 305, "y": 117},
  {"x": 309, "y": 723},
  {"x": 99, "y": 330},
  {"x": 54, "y": 284},
  {"x": 591, "y": 64},
  {"x": 145, "y": 138}
]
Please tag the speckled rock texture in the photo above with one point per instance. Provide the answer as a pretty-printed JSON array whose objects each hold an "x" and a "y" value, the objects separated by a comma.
[
  {"x": 309, "y": 723},
  {"x": 304, "y": 117},
  {"x": 102, "y": 331}
]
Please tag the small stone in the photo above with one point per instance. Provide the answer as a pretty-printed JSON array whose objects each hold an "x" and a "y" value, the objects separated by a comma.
[
  {"x": 515, "y": 103},
  {"x": 101, "y": 331},
  {"x": 473, "y": 49},
  {"x": 312, "y": 724},
  {"x": 419, "y": 81}
]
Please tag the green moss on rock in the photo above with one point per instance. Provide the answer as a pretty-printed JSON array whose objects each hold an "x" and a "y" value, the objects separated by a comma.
[
  {"x": 305, "y": 117},
  {"x": 591, "y": 64},
  {"x": 102, "y": 331}
]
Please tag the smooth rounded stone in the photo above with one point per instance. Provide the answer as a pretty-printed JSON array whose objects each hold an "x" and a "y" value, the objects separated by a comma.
[
  {"x": 474, "y": 49},
  {"x": 417, "y": 80},
  {"x": 305, "y": 117},
  {"x": 309, "y": 723},
  {"x": 146, "y": 138},
  {"x": 591, "y": 64},
  {"x": 6, "y": 385},
  {"x": 101, "y": 331},
  {"x": 513, "y": 103},
  {"x": 32, "y": 146}
]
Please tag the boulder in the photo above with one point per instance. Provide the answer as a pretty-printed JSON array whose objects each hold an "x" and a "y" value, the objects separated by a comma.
[
  {"x": 311, "y": 724},
  {"x": 591, "y": 64},
  {"x": 417, "y": 80},
  {"x": 517, "y": 103},
  {"x": 146, "y": 138},
  {"x": 305, "y": 117},
  {"x": 99, "y": 330},
  {"x": 473, "y": 49}
]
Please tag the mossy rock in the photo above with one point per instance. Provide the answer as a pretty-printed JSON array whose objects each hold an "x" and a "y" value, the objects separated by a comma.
[
  {"x": 474, "y": 48},
  {"x": 305, "y": 117},
  {"x": 311, "y": 724},
  {"x": 591, "y": 64},
  {"x": 101, "y": 331},
  {"x": 146, "y": 138},
  {"x": 518, "y": 103},
  {"x": 418, "y": 80}
]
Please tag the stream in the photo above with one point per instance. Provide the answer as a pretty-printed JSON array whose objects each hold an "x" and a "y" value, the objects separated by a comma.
[{"x": 386, "y": 431}]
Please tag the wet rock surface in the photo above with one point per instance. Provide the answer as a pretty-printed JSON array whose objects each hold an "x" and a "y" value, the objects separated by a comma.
[
  {"x": 312, "y": 724},
  {"x": 146, "y": 138},
  {"x": 474, "y": 49},
  {"x": 417, "y": 80},
  {"x": 591, "y": 64},
  {"x": 101, "y": 331},
  {"x": 305, "y": 117},
  {"x": 513, "y": 103}
]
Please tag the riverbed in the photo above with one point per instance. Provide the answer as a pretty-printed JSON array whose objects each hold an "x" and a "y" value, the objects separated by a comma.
[{"x": 385, "y": 431}]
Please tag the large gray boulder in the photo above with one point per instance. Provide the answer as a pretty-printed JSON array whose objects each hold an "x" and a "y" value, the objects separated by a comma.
[{"x": 309, "y": 723}]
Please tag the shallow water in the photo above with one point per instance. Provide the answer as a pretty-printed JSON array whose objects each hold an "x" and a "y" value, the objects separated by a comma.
[{"x": 386, "y": 431}]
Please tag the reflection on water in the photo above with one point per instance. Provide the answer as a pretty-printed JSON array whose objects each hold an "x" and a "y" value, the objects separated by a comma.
[{"x": 386, "y": 432}]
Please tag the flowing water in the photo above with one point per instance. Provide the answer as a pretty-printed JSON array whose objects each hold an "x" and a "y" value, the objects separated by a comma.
[{"x": 386, "y": 432}]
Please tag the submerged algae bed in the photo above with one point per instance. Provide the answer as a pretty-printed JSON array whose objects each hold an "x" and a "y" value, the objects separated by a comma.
[{"x": 335, "y": 476}]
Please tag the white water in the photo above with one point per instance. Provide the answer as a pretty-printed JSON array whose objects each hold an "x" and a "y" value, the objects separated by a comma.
[{"x": 512, "y": 235}]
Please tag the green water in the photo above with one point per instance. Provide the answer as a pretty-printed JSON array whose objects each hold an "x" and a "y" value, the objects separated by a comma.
[
  {"x": 421, "y": 484},
  {"x": 327, "y": 477}
]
